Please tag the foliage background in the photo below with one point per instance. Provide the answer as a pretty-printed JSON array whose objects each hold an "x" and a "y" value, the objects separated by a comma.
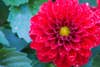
[{"x": 14, "y": 37}]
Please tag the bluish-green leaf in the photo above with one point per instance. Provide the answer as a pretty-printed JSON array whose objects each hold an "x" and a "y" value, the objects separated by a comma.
[
  {"x": 11, "y": 58},
  {"x": 14, "y": 41},
  {"x": 95, "y": 51},
  {"x": 3, "y": 39},
  {"x": 91, "y": 2},
  {"x": 8, "y": 39},
  {"x": 19, "y": 19},
  {"x": 15, "y": 2}
]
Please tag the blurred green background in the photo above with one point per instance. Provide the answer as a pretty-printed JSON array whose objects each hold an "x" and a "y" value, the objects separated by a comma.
[{"x": 14, "y": 37}]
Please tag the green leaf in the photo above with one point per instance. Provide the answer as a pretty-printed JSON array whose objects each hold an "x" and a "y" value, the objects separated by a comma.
[
  {"x": 15, "y": 2},
  {"x": 19, "y": 19},
  {"x": 8, "y": 39},
  {"x": 3, "y": 39},
  {"x": 92, "y": 2},
  {"x": 96, "y": 61},
  {"x": 11, "y": 58}
]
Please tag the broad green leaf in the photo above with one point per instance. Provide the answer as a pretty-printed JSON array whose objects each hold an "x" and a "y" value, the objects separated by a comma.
[
  {"x": 11, "y": 58},
  {"x": 15, "y": 2},
  {"x": 96, "y": 61},
  {"x": 3, "y": 39},
  {"x": 91, "y": 2},
  {"x": 8, "y": 39},
  {"x": 19, "y": 19}
]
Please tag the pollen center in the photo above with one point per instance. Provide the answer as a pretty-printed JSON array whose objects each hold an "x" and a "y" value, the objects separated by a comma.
[{"x": 64, "y": 31}]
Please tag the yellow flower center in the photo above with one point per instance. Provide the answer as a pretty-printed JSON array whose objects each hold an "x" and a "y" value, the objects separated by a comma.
[{"x": 64, "y": 31}]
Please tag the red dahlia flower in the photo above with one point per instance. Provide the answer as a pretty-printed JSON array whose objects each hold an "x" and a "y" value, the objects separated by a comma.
[{"x": 63, "y": 32}]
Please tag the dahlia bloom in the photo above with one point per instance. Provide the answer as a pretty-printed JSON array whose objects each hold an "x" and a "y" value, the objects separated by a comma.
[{"x": 63, "y": 32}]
